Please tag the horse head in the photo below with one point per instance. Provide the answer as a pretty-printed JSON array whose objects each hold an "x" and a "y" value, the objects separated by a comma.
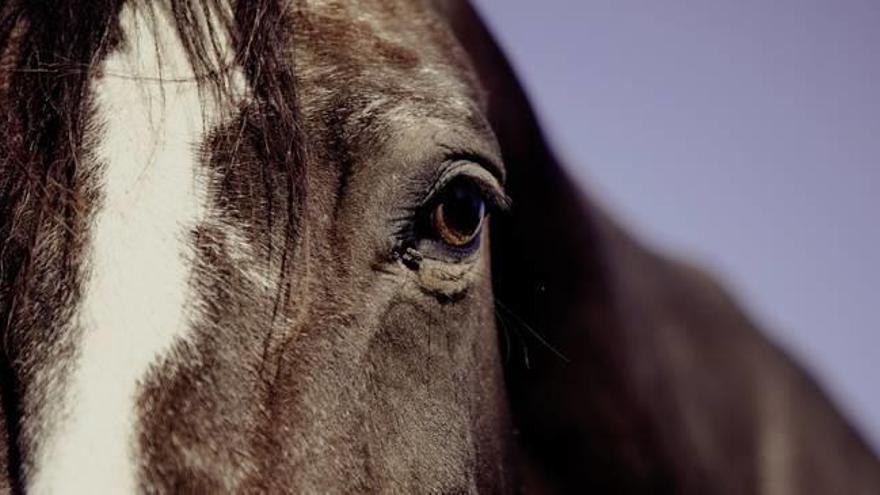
[{"x": 322, "y": 246}]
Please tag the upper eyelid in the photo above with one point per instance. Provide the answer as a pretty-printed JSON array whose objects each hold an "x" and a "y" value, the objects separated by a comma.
[
  {"x": 463, "y": 155},
  {"x": 486, "y": 180}
]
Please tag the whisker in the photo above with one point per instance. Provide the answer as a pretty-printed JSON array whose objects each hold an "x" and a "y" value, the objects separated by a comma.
[{"x": 531, "y": 330}]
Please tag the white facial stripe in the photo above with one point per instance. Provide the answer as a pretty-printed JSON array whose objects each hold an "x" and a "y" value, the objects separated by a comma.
[{"x": 136, "y": 293}]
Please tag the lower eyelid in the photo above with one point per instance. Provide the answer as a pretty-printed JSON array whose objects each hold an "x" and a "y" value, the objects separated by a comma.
[{"x": 452, "y": 254}]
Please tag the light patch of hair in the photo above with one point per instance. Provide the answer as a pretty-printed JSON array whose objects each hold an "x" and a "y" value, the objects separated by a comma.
[{"x": 136, "y": 291}]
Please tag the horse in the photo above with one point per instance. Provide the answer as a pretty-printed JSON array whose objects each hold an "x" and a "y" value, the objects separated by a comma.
[{"x": 322, "y": 246}]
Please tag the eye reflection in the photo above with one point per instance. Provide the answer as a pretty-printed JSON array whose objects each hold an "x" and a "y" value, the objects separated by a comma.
[{"x": 458, "y": 215}]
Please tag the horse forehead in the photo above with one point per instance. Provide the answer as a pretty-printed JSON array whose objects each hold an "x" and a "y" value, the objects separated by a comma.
[
  {"x": 369, "y": 69},
  {"x": 388, "y": 46}
]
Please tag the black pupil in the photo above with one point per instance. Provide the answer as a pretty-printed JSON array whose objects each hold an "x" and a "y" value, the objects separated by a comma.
[{"x": 463, "y": 209}]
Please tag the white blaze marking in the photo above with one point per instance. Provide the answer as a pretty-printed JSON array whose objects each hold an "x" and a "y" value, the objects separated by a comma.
[{"x": 136, "y": 292}]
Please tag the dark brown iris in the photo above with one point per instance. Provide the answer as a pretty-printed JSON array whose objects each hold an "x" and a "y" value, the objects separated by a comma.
[{"x": 459, "y": 214}]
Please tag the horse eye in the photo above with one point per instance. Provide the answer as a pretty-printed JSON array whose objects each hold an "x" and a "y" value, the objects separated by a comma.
[{"x": 458, "y": 215}]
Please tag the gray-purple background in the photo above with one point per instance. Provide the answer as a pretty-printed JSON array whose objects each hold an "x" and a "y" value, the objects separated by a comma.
[{"x": 743, "y": 133}]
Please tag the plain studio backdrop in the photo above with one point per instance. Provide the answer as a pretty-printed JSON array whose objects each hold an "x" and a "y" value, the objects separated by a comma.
[{"x": 744, "y": 134}]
